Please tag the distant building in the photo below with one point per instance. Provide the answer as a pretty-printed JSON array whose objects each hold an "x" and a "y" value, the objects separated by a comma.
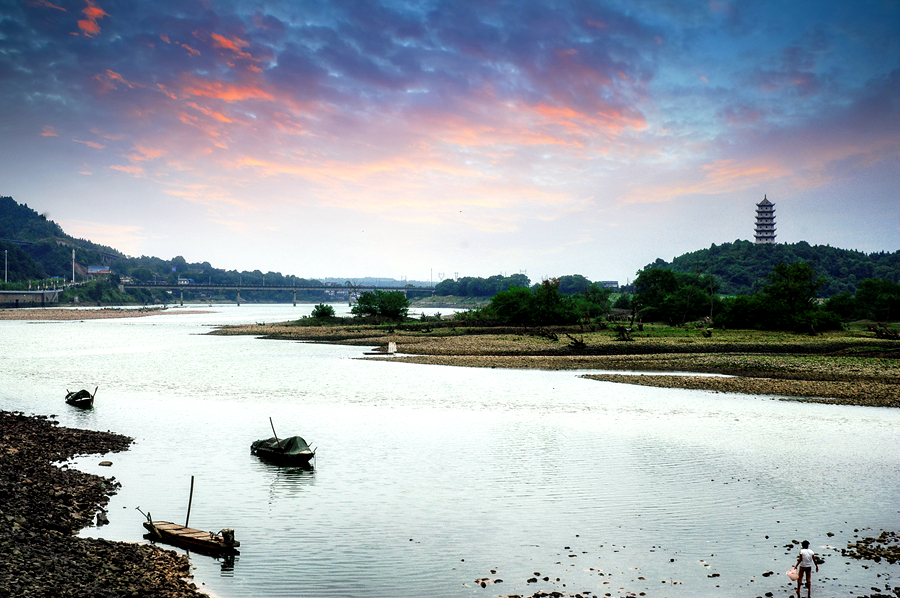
[
  {"x": 97, "y": 270},
  {"x": 765, "y": 222},
  {"x": 610, "y": 284}
]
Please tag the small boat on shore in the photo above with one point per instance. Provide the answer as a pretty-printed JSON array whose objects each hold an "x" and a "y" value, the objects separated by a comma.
[
  {"x": 292, "y": 451},
  {"x": 179, "y": 535},
  {"x": 81, "y": 398}
]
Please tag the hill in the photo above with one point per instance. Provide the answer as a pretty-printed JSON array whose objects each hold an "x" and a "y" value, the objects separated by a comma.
[
  {"x": 741, "y": 267},
  {"x": 37, "y": 249}
]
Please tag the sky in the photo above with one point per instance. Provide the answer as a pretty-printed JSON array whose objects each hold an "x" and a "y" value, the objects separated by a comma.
[{"x": 435, "y": 139}]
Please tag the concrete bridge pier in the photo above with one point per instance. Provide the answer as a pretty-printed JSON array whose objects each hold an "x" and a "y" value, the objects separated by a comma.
[
  {"x": 295, "y": 297},
  {"x": 182, "y": 298},
  {"x": 239, "y": 298}
]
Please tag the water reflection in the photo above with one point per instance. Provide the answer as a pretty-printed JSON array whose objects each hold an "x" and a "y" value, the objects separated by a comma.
[
  {"x": 227, "y": 562},
  {"x": 287, "y": 482}
]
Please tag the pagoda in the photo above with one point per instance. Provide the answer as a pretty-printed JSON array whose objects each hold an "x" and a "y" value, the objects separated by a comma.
[{"x": 765, "y": 222}]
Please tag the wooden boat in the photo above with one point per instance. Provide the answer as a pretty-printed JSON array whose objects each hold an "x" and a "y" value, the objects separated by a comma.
[
  {"x": 81, "y": 398},
  {"x": 291, "y": 451},
  {"x": 172, "y": 533}
]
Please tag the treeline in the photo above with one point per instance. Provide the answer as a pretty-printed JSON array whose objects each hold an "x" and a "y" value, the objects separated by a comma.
[
  {"x": 472, "y": 286},
  {"x": 542, "y": 305},
  {"x": 787, "y": 299},
  {"x": 741, "y": 267}
]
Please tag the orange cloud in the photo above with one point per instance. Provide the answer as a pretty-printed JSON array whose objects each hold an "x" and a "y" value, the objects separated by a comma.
[
  {"x": 89, "y": 26},
  {"x": 114, "y": 76},
  {"x": 234, "y": 45},
  {"x": 208, "y": 112},
  {"x": 228, "y": 92},
  {"x": 142, "y": 154},
  {"x": 48, "y": 131},
  {"x": 722, "y": 176},
  {"x": 45, "y": 4},
  {"x": 190, "y": 49},
  {"x": 164, "y": 37},
  {"x": 163, "y": 89}
]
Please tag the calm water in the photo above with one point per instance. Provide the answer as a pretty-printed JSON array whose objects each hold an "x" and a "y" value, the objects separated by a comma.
[{"x": 427, "y": 478}]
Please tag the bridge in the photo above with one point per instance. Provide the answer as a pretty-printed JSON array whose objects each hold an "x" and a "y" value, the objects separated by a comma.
[
  {"x": 350, "y": 291},
  {"x": 29, "y": 298}
]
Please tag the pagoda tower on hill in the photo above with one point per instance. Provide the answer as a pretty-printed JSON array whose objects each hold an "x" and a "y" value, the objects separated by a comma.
[{"x": 765, "y": 222}]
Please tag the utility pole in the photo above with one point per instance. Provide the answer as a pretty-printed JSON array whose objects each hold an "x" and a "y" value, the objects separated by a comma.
[
  {"x": 5, "y": 266},
  {"x": 73, "y": 266}
]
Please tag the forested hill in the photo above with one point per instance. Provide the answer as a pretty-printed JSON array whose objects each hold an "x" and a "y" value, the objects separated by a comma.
[
  {"x": 741, "y": 267},
  {"x": 36, "y": 247}
]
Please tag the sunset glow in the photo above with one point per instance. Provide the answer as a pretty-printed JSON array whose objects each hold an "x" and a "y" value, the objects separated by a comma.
[{"x": 404, "y": 139}]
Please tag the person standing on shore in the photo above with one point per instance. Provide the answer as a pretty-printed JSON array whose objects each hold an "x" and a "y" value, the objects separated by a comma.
[{"x": 805, "y": 562}]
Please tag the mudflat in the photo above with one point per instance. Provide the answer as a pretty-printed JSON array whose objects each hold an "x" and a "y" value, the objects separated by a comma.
[
  {"x": 851, "y": 367},
  {"x": 62, "y": 314}
]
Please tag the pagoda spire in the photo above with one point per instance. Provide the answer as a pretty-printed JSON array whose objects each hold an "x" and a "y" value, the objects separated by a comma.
[{"x": 765, "y": 222}]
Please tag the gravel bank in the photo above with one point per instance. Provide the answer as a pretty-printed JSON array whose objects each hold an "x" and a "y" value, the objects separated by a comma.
[{"x": 42, "y": 505}]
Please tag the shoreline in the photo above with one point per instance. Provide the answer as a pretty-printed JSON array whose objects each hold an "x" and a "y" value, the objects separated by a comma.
[
  {"x": 63, "y": 314},
  {"x": 42, "y": 506}
]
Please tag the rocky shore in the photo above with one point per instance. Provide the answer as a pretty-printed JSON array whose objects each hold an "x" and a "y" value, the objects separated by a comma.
[{"x": 42, "y": 504}]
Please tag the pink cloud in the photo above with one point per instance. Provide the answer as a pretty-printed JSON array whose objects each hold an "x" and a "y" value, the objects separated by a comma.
[
  {"x": 90, "y": 144},
  {"x": 48, "y": 131}
]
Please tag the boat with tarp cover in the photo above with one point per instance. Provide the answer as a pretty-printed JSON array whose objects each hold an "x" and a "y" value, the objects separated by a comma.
[{"x": 292, "y": 451}]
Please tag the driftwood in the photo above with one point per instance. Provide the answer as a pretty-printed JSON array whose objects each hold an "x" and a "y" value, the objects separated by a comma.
[
  {"x": 623, "y": 334},
  {"x": 578, "y": 345},
  {"x": 883, "y": 332}
]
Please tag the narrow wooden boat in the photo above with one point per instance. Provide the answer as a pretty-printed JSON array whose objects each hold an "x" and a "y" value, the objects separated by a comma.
[
  {"x": 81, "y": 398},
  {"x": 172, "y": 533}
]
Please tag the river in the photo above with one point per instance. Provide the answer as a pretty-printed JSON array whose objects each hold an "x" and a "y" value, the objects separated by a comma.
[{"x": 428, "y": 478}]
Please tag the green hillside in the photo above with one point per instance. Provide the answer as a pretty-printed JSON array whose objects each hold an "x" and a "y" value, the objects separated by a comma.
[{"x": 741, "y": 267}]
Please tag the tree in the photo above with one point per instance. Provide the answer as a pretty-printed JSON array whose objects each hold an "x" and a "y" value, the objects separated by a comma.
[
  {"x": 513, "y": 306},
  {"x": 878, "y": 299},
  {"x": 792, "y": 290},
  {"x": 323, "y": 311},
  {"x": 393, "y": 305}
]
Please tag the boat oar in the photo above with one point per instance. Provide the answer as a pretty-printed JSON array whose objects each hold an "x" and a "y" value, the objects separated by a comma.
[{"x": 95, "y": 392}]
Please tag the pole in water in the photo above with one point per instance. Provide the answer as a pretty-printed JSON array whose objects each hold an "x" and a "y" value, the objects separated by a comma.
[
  {"x": 273, "y": 430},
  {"x": 190, "y": 500}
]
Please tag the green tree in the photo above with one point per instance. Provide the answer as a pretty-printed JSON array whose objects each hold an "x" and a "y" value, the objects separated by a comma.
[
  {"x": 878, "y": 299},
  {"x": 393, "y": 305},
  {"x": 323, "y": 311},
  {"x": 791, "y": 291},
  {"x": 651, "y": 287},
  {"x": 513, "y": 306}
]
